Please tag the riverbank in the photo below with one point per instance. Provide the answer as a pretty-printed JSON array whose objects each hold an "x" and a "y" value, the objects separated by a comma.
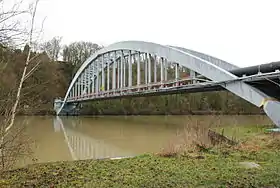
[
  {"x": 45, "y": 112},
  {"x": 192, "y": 167}
]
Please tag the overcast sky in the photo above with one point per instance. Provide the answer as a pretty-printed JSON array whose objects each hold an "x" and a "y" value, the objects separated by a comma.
[{"x": 243, "y": 32}]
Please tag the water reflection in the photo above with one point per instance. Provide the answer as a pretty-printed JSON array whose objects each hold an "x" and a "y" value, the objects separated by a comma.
[{"x": 82, "y": 146}]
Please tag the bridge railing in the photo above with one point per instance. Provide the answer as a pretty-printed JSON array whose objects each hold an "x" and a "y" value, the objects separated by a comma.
[{"x": 152, "y": 87}]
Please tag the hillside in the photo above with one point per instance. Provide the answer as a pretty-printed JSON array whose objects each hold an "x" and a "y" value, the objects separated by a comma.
[{"x": 49, "y": 80}]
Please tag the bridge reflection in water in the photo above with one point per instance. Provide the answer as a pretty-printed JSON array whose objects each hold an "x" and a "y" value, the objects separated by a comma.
[{"x": 82, "y": 146}]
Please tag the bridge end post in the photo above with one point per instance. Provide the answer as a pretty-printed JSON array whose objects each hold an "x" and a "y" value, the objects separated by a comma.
[
  {"x": 272, "y": 109},
  {"x": 57, "y": 105},
  {"x": 69, "y": 109}
]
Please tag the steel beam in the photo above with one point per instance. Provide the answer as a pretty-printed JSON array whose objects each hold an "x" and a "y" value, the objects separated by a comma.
[
  {"x": 124, "y": 71},
  {"x": 155, "y": 69},
  {"x": 121, "y": 73},
  {"x": 149, "y": 69},
  {"x": 97, "y": 77},
  {"x": 130, "y": 69},
  {"x": 76, "y": 89},
  {"x": 165, "y": 69},
  {"x": 102, "y": 73},
  {"x": 114, "y": 71},
  {"x": 176, "y": 73},
  {"x": 193, "y": 76},
  {"x": 161, "y": 70},
  {"x": 92, "y": 77},
  {"x": 138, "y": 69},
  {"x": 146, "y": 68},
  {"x": 108, "y": 72}
]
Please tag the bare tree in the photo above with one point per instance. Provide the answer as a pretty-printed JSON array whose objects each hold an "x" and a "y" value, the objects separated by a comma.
[
  {"x": 77, "y": 52},
  {"x": 8, "y": 135},
  {"x": 10, "y": 27},
  {"x": 52, "y": 47}
]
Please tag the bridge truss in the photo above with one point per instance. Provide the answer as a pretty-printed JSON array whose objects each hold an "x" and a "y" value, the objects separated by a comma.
[{"x": 136, "y": 68}]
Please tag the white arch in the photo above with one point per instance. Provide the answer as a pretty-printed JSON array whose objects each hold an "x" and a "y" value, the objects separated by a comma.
[
  {"x": 220, "y": 63},
  {"x": 206, "y": 68}
]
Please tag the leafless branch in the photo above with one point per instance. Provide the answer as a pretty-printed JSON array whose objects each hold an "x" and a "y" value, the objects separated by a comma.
[
  {"x": 24, "y": 71},
  {"x": 9, "y": 23},
  {"x": 32, "y": 70},
  {"x": 9, "y": 120}
]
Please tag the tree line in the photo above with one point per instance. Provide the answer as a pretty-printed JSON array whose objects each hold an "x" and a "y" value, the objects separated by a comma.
[{"x": 74, "y": 53}]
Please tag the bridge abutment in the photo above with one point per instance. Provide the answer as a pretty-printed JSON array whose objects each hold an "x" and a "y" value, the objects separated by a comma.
[
  {"x": 272, "y": 109},
  {"x": 69, "y": 109}
]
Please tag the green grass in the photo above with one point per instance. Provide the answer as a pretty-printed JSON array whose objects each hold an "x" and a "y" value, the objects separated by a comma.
[
  {"x": 216, "y": 168},
  {"x": 242, "y": 132}
]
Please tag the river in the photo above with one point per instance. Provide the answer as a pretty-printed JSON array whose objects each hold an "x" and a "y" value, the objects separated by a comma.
[{"x": 74, "y": 138}]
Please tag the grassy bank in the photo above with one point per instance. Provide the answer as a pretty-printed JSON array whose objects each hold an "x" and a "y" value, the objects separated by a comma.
[{"x": 205, "y": 166}]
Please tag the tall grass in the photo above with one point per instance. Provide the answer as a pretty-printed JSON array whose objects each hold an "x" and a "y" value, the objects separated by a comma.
[{"x": 198, "y": 135}]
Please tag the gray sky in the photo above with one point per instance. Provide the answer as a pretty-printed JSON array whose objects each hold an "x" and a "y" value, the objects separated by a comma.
[{"x": 243, "y": 32}]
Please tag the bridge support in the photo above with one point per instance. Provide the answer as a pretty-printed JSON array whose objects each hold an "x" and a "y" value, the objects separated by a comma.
[
  {"x": 272, "y": 109},
  {"x": 70, "y": 109}
]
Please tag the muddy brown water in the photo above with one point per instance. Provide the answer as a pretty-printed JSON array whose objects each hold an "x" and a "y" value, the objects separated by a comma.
[{"x": 74, "y": 138}]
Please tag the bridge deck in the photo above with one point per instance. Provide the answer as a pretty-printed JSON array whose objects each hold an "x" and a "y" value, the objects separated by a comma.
[{"x": 267, "y": 84}]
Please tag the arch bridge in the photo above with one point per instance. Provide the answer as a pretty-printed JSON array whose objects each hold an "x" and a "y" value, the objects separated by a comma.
[{"x": 137, "y": 68}]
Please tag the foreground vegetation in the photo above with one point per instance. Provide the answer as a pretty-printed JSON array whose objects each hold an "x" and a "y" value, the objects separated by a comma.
[
  {"x": 202, "y": 165},
  {"x": 152, "y": 171}
]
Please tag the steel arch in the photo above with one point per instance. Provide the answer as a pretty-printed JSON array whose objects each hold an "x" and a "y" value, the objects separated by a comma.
[
  {"x": 220, "y": 63},
  {"x": 210, "y": 67}
]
